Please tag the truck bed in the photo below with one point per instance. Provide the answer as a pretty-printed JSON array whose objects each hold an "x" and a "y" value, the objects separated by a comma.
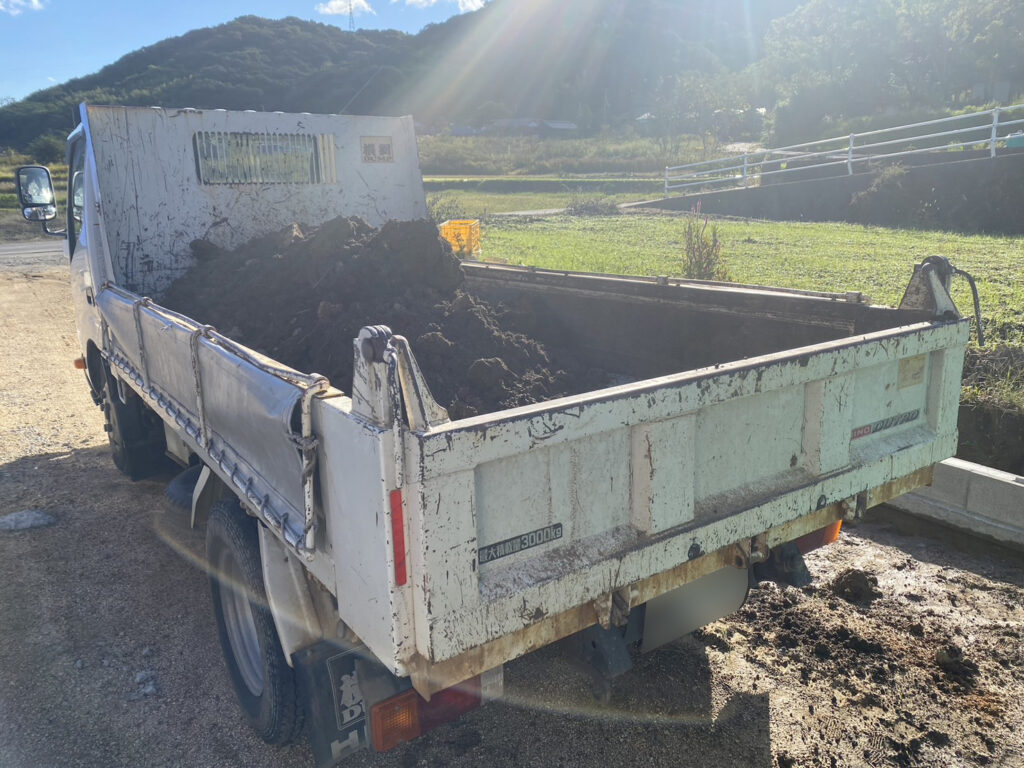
[
  {"x": 748, "y": 412},
  {"x": 747, "y": 416}
]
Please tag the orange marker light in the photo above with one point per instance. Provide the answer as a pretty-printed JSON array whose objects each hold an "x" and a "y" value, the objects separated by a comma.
[
  {"x": 406, "y": 716},
  {"x": 819, "y": 538},
  {"x": 79, "y": 363},
  {"x": 395, "y": 720}
]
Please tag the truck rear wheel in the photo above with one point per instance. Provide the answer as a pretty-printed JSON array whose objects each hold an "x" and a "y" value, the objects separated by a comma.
[{"x": 263, "y": 681}]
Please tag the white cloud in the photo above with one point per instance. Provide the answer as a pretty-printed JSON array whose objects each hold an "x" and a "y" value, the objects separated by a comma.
[
  {"x": 15, "y": 7},
  {"x": 464, "y": 5},
  {"x": 340, "y": 7}
]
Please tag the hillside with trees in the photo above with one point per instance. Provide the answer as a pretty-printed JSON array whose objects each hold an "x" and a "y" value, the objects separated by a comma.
[{"x": 815, "y": 68}]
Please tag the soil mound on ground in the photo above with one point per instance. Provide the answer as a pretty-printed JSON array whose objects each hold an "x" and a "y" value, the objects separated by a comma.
[
  {"x": 856, "y": 586},
  {"x": 301, "y": 296}
]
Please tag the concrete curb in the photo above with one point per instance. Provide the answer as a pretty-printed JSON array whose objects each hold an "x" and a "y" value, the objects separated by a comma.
[{"x": 972, "y": 497}]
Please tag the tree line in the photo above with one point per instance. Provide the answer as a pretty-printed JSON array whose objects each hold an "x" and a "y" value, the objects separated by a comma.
[{"x": 783, "y": 69}]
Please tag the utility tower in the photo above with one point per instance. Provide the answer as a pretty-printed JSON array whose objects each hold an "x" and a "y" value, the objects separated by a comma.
[{"x": 351, "y": 16}]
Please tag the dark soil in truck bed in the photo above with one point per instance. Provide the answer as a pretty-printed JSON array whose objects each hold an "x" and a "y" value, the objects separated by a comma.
[{"x": 300, "y": 296}]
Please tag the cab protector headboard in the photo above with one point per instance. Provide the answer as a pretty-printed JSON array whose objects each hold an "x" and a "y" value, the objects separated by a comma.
[{"x": 167, "y": 177}]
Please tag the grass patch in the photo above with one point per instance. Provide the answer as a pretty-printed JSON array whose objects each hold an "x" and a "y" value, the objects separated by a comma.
[
  {"x": 814, "y": 256},
  {"x": 824, "y": 257},
  {"x": 994, "y": 377},
  {"x": 588, "y": 205}
]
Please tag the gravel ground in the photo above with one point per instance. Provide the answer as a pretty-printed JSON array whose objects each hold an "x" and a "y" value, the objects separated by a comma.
[{"x": 908, "y": 649}]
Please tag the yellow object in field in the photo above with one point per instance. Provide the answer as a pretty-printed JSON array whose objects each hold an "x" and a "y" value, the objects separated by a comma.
[{"x": 464, "y": 235}]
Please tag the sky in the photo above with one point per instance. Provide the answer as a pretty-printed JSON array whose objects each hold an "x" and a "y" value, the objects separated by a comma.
[{"x": 45, "y": 42}]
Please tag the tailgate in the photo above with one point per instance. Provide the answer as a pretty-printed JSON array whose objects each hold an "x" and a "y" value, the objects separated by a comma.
[{"x": 522, "y": 525}]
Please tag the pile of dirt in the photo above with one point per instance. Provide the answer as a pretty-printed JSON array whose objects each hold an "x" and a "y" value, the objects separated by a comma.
[
  {"x": 300, "y": 296},
  {"x": 896, "y": 676},
  {"x": 856, "y": 586}
]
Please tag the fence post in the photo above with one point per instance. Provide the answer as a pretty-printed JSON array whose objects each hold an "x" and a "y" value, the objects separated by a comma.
[
  {"x": 666, "y": 181},
  {"x": 744, "y": 170},
  {"x": 849, "y": 157},
  {"x": 995, "y": 131}
]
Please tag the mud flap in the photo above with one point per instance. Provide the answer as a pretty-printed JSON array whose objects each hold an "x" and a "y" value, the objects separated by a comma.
[
  {"x": 679, "y": 612},
  {"x": 336, "y": 715}
]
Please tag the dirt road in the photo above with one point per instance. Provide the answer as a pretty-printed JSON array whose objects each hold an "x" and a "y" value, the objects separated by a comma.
[{"x": 108, "y": 653}]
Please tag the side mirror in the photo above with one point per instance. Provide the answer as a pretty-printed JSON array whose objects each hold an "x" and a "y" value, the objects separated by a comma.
[{"x": 35, "y": 193}]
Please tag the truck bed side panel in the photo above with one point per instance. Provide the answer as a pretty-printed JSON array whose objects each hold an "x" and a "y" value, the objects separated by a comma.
[{"x": 247, "y": 412}]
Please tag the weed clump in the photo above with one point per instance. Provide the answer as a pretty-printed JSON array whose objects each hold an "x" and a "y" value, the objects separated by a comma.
[{"x": 703, "y": 258}]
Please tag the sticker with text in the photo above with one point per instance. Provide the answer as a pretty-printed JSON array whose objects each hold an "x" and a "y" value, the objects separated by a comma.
[
  {"x": 377, "y": 149},
  {"x": 883, "y": 424},
  {"x": 519, "y": 543}
]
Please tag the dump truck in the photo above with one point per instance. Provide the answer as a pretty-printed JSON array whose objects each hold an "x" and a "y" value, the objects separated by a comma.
[{"x": 373, "y": 562}]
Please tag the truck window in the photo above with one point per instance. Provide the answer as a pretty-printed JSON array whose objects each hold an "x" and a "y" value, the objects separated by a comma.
[
  {"x": 76, "y": 193},
  {"x": 267, "y": 158}
]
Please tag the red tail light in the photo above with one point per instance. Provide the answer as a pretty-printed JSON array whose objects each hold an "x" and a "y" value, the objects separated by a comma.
[
  {"x": 449, "y": 704},
  {"x": 406, "y": 716},
  {"x": 398, "y": 538}
]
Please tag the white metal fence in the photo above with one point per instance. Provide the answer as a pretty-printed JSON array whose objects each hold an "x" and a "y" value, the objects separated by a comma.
[{"x": 992, "y": 129}]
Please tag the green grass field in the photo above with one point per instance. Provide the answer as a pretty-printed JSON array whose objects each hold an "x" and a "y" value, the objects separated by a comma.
[{"x": 829, "y": 257}]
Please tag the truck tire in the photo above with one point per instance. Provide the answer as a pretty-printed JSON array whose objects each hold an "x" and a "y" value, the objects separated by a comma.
[
  {"x": 263, "y": 681},
  {"x": 135, "y": 433}
]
